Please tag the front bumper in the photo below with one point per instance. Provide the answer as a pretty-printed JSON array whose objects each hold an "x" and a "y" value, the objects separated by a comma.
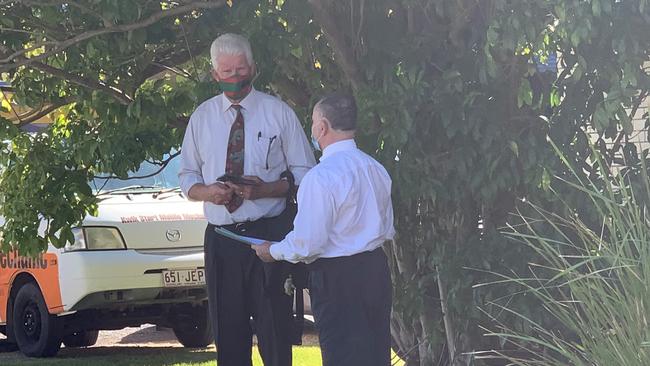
[{"x": 108, "y": 279}]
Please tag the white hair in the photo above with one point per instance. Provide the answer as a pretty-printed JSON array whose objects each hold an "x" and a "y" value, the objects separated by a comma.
[{"x": 230, "y": 44}]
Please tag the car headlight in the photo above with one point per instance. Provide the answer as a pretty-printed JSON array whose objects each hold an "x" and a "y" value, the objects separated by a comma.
[{"x": 96, "y": 238}]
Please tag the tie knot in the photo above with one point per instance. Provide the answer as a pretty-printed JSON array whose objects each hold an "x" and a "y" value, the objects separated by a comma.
[{"x": 236, "y": 107}]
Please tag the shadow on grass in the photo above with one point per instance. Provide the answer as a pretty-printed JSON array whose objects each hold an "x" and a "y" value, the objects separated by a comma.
[
  {"x": 150, "y": 334},
  {"x": 117, "y": 356}
]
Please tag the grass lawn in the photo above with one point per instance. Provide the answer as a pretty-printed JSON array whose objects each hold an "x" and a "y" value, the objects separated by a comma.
[
  {"x": 150, "y": 346},
  {"x": 164, "y": 356},
  {"x": 145, "y": 356}
]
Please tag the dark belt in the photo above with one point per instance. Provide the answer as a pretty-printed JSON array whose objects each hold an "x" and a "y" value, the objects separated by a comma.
[
  {"x": 241, "y": 227},
  {"x": 321, "y": 263}
]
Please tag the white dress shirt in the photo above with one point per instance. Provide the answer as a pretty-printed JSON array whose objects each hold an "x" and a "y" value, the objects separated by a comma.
[
  {"x": 272, "y": 132},
  {"x": 344, "y": 208}
]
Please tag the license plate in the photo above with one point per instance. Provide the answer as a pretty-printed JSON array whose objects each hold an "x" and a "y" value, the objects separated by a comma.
[{"x": 184, "y": 277}]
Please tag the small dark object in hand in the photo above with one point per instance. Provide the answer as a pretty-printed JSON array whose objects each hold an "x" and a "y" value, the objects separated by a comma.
[{"x": 236, "y": 180}]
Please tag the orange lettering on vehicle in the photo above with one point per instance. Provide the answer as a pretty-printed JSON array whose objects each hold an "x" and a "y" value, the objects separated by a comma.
[{"x": 44, "y": 268}]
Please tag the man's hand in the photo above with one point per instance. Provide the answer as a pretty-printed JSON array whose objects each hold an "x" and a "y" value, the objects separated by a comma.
[
  {"x": 263, "y": 251},
  {"x": 249, "y": 192},
  {"x": 219, "y": 193}
]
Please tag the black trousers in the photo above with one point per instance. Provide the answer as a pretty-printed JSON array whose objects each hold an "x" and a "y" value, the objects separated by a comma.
[
  {"x": 351, "y": 301},
  {"x": 241, "y": 286}
]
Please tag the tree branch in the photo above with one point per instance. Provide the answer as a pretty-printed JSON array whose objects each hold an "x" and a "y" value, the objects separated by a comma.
[
  {"x": 180, "y": 122},
  {"x": 43, "y": 112},
  {"x": 174, "y": 69},
  {"x": 178, "y": 58},
  {"x": 292, "y": 90},
  {"x": 450, "y": 332},
  {"x": 5, "y": 64},
  {"x": 84, "y": 82},
  {"x": 342, "y": 50},
  {"x": 23, "y": 51},
  {"x": 5, "y": 29},
  {"x": 162, "y": 164}
]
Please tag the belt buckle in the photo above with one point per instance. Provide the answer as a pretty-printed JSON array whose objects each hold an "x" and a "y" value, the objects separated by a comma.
[{"x": 240, "y": 227}]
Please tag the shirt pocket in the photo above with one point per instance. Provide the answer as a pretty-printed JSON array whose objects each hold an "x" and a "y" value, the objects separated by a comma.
[{"x": 268, "y": 152}]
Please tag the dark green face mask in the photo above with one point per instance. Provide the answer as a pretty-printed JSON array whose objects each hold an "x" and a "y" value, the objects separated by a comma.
[{"x": 236, "y": 87}]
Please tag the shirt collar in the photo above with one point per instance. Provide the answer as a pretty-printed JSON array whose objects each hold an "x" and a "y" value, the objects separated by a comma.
[
  {"x": 342, "y": 145},
  {"x": 247, "y": 103}
]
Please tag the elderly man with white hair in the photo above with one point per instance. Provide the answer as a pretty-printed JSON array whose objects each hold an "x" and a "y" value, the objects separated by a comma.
[{"x": 237, "y": 151}]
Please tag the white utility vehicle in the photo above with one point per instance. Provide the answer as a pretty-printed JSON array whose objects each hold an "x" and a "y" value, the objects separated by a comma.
[{"x": 139, "y": 261}]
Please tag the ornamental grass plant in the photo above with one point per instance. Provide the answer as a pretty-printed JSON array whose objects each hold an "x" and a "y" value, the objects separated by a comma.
[{"x": 592, "y": 281}]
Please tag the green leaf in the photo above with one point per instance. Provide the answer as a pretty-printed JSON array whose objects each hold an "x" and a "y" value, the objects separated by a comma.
[
  {"x": 546, "y": 180},
  {"x": 7, "y": 22},
  {"x": 607, "y": 7},
  {"x": 91, "y": 51},
  {"x": 626, "y": 122},
  {"x": 555, "y": 98},
  {"x": 297, "y": 52},
  {"x": 525, "y": 94},
  {"x": 514, "y": 147},
  {"x": 575, "y": 38},
  {"x": 492, "y": 36},
  {"x": 595, "y": 7}
]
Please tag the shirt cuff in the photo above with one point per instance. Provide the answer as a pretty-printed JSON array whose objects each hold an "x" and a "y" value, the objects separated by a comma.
[
  {"x": 277, "y": 251},
  {"x": 187, "y": 182}
]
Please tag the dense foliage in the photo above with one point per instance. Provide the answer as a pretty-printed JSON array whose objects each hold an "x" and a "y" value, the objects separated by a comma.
[{"x": 454, "y": 100}]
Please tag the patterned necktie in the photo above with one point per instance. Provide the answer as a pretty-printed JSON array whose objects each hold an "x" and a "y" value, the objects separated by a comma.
[{"x": 235, "y": 155}]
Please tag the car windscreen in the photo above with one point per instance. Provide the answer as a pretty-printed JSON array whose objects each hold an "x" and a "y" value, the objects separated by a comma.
[{"x": 148, "y": 175}]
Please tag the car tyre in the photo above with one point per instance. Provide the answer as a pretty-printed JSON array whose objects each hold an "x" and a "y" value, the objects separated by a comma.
[
  {"x": 36, "y": 331},
  {"x": 85, "y": 338},
  {"x": 194, "y": 330}
]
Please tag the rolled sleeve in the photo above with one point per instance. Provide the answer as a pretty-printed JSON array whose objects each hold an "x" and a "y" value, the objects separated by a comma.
[
  {"x": 298, "y": 152},
  {"x": 311, "y": 226},
  {"x": 190, "y": 170}
]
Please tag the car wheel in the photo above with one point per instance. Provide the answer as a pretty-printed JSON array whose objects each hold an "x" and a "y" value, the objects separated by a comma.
[
  {"x": 81, "y": 339},
  {"x": 193, "y": 330},
  {"x": 37, "y": 333}
]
